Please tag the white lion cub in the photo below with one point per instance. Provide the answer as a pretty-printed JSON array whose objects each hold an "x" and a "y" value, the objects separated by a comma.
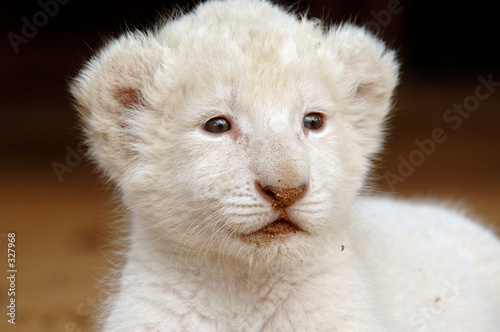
[{"x": 239, "y": 137}]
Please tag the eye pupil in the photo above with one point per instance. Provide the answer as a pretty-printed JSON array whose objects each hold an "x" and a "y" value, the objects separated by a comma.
[
  {"x": 217, "y": 125},
  {"x": 313, "y": 121}
]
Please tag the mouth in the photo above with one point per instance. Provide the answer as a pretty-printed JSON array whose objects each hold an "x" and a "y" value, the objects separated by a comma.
[{"x": 277, "y": 230}]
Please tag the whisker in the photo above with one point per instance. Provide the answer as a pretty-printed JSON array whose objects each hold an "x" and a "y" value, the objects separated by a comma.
[
  {"x": 309, "y": 203},
  {"x": 244, "y": 205},
  {"x": 248, "y": 214}
]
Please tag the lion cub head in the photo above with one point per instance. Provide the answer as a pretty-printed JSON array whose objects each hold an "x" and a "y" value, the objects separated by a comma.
[{"x": 237, "y": 132}]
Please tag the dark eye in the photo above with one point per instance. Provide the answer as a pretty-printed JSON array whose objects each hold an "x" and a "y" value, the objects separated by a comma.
[
  {"x": 217, "y": 125},
  {"x": 313, "y": 121}
]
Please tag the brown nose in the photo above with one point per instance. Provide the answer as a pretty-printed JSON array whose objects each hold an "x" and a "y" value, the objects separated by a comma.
[{"x": 282, "y": 197}]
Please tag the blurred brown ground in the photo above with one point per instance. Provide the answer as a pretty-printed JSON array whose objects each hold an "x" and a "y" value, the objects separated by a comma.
[{"x": 62, "y": 227}]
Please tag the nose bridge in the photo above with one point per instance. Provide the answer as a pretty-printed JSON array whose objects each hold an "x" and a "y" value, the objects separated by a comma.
[{"x": 278, "y": 160}]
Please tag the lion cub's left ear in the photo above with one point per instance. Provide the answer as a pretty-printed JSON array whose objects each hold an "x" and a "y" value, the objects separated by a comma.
[{"x": 364, "y": 74}]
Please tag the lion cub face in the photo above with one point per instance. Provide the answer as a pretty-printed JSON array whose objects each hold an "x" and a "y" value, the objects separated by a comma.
[{"x": 237, "y": 133}]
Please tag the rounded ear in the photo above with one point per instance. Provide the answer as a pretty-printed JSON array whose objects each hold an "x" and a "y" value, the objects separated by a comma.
[
  {"x": 110, "y": 93},
  {"x": 366, "y": 74}
]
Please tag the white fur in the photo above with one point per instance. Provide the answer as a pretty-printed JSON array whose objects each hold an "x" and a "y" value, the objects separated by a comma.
[{"x": 360, "y": 264}]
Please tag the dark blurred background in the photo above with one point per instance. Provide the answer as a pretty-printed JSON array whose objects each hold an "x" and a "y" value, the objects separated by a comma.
[{"x": 53, "y": 199}]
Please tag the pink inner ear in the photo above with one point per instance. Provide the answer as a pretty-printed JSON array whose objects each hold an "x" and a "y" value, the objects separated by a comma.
[
  {"x": 130, "y": 97},
  {"x": 369, "y": 91},
  {"x": 363, "y": 89}
]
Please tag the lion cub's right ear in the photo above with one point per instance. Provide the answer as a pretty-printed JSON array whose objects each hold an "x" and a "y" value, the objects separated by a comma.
[{"x": 111, "y": 93}]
